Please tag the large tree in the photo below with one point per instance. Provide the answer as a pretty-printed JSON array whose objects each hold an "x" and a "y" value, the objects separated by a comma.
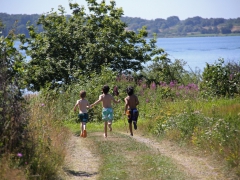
[{"x": 81, "y": 43}]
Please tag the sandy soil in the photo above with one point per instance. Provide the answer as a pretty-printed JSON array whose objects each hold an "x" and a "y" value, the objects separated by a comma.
[{"x": 80, "y": 162}]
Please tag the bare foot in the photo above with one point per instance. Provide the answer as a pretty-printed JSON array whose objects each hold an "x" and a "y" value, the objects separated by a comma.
[{"x": 104, "y": 135}]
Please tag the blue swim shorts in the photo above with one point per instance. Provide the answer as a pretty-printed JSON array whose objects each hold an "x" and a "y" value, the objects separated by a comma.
[
  {"x": 107, "y": 114},
  {"x": 83, "y": 117}
]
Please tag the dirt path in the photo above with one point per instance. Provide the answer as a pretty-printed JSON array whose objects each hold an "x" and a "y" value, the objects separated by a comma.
[
  {"x": 81, "y": 163},
  {"x": 198, "y": 166}
]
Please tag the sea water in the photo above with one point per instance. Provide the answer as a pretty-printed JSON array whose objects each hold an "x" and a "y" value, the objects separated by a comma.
[{"x": 197, "y": 51}]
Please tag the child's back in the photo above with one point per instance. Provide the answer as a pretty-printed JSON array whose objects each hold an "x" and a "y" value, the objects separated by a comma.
[
  {"x": 132, "y": 101},
  {"x": 106, "y": 100},
  {"x": 107, "y": 111},
  {"x": 83, "y": 104}
]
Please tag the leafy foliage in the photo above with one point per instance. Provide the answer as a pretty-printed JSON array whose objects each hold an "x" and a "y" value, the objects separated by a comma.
[
  {"x": 219, "y": 80},
  {"x": 163, "y": 70},
  {"x": 82, "y": 43},
  {"x": 12, "y": 106}
]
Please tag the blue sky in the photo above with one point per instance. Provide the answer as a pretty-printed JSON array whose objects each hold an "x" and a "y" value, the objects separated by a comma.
[{"x": 146, "y": 9}]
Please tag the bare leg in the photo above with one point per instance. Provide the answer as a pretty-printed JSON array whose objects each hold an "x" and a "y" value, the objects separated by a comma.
[
  {"x": 110, "y": 125},
  {"x": 130, "y": 128},
  {"x": 81, "y": 127},
  {"x": 105, "y": 128}
]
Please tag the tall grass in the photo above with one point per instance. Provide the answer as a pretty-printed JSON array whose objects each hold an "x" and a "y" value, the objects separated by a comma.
[
  {"x": 48, "y": 139},
  {"x": 44, "y": 153},
  {"x": 212, "y": 125}
]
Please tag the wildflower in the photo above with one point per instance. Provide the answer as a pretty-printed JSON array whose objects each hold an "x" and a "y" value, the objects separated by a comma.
[
  {"x": 42, "y": 104},
  {"x": 144, "y": 86},
  {"x": 162, "y": 83},
  {"x": 181, "y": 87},
  {"x": 196, "y": 112},
  {"x": 172, "y": 84},
  {"x": 147, "y": 100},
  {"x": 19, "y": 155},
  {"x": 153, "y": 86}
]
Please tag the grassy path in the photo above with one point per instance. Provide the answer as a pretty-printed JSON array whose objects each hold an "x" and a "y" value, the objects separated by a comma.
[{"x": 123, "y": 157}]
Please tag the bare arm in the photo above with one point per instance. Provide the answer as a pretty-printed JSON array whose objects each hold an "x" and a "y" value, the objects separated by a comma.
[
  {"x": 116, "y": 101},
  {"x": 88, "y": 105},
  {"x": 96, "y": 102},
  {"x": 126, "y": 105},
  {"x": 76, "y": 105}
]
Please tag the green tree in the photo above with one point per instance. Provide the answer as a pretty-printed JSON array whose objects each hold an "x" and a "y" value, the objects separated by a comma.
[
  {"x": 226, "y": 30},
  {"x": 172, "y": 21},
  {"x": 82, "y": 43},
  {"x": 163, "y": 69},
  {"x": 218, "y": 80}
]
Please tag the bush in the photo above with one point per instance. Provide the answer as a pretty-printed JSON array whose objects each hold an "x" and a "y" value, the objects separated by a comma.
[{"x": 218, "y": 80}]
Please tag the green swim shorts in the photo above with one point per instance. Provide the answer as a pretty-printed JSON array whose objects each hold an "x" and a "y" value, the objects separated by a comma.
[{"x": 107, "y": 114}]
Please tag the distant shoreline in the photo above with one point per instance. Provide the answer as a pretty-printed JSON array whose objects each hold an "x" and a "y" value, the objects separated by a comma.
[{"x": 200, "y": 35}]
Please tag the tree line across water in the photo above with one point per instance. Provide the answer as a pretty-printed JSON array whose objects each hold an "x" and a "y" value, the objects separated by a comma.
[{"x": 170, "y": 27}]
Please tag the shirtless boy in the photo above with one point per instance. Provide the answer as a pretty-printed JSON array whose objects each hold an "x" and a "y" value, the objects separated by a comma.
[
  {"x": 82, "y": 104},
  {"x": 131, "y": 102},
  {"x": 107, "y": 111}
]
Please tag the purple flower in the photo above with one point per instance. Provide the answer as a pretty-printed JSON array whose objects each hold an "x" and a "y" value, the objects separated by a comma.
[
  {"x": 172, "y": 84},
  {"x": 147, "y": 100},
  {"x": 19, "y": 155},
  {"x": 162, "y": 83},
  {"x": 181, "y": 87},
  {"x": 42, "y": 104},
  {"x": 193, "y": 86},
  {"x": 153, "y": 86},
  {"x": 144, "y": 86}
]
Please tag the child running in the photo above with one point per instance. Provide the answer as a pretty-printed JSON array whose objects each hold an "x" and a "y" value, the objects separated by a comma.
[
  {"x": 107, "y": 111},
  {"x": 82, "y": 105},
  {"x": 131, "y": 102}
]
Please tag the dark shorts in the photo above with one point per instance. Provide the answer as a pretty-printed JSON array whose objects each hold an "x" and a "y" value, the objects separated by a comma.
[
  {"x": 83, "y": 117},
  {"x": 132, "y": 115}
]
